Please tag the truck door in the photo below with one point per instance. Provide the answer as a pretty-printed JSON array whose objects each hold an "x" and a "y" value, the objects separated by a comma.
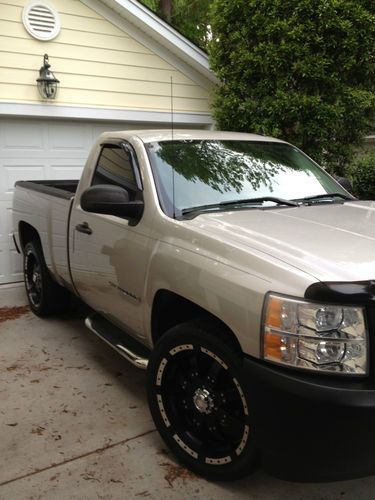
[{"x": 108, "y": 256}]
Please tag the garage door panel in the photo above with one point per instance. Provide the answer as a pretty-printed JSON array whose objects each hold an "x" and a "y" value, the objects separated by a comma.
[
  {"x": 10, "y": 264},
  {"x": 4, "y": 263},
  {"x": 4, "y": 221},
  {"x": 33, "y": 149},
  {"x": 65, "y": 172},
  {"x": 6, "y": 224},
  {"x": 105, "y": 127},
  {"x": 9, "y": 224},
  {"x": 22, "y": 136},
  {"x": 16, "y": 265},
  {"x": 65, "y": 137},
  {"x": 41, "y": 156},
  {"x": 10, "y": 174}
]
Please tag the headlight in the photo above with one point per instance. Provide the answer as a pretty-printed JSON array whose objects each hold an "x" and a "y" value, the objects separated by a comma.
[{"x": 320, "y": 337}]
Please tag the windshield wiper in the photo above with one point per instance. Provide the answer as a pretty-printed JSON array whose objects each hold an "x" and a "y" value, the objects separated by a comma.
[
  {"x": 247, "y": 201},
  {"x": 260, "y": 201},
  {"x": 326, "y": 195}
]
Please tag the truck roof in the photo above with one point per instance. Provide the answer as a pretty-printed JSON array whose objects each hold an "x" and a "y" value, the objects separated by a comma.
[{"x": 181, "y": 134}]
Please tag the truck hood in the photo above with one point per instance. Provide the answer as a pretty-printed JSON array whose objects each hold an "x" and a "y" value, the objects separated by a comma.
[{"x": 331, "y": 242}]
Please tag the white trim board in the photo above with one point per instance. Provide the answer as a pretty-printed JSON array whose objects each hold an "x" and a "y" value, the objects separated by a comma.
[
  {"x": 151, "y": 31},
  {"x": 103, "y": 114}
]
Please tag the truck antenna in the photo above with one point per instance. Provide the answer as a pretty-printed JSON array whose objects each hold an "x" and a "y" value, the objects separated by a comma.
[{"x": 172, "y": 125}]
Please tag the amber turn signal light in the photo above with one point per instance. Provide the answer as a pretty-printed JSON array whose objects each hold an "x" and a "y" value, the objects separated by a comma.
[{"x": 272, "y": 347}]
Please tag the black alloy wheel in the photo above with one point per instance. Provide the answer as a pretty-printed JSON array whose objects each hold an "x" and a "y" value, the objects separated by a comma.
[
  {"x": 45, "y": 296},
  {"x": 33, "y": 279},
  {"x": 199, "y": 403}
]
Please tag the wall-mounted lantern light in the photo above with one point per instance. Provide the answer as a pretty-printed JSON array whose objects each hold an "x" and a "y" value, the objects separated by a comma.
[{"x": 47, "y": 82}]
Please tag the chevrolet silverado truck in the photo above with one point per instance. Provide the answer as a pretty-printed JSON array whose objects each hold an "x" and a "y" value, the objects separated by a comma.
[{"x": 239, "y": 274}]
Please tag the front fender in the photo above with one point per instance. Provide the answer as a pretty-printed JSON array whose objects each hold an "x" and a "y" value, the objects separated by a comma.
[{"x": 233, "y": 296}]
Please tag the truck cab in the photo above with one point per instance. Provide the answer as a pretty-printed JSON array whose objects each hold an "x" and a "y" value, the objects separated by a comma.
[{"x": 238, "y": 273}]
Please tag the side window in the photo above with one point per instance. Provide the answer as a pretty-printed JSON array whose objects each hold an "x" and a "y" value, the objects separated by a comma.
[{"x": 114, "y": 167}]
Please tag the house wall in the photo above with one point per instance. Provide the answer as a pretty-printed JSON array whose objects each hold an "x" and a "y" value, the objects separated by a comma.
[{"x": 97, "y": 64}]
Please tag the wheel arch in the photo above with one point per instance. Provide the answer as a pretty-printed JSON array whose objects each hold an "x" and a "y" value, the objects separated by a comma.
[
  {"x": 27, "y": 233},
  {"x": 170, "y": 309}
]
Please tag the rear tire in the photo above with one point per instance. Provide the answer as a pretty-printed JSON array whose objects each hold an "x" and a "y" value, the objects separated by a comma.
[
  {"x": 45, "y": 296},
  {"x": 200, "y": 404}
]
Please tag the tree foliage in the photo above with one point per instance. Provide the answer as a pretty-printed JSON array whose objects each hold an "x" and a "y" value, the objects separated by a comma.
[
  {"x": 190, "y": 17},
  {"x": 300, "y": 70},
  {"x": 362, "y": 175},
  {"x": 224, "y": 167}
]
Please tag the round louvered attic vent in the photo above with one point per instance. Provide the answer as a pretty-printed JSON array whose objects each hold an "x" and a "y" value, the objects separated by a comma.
[{"x": 41, "y": 21}]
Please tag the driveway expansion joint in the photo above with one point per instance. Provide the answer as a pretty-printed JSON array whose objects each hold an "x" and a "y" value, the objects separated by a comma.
[{"x": 78, "y": 457}]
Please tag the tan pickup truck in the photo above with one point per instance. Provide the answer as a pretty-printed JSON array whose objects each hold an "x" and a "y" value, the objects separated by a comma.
[{"x": 239, "y": 274}]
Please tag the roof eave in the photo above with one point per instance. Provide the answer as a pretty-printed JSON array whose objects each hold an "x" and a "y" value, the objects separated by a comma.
[{"x": 145, "y": 20}]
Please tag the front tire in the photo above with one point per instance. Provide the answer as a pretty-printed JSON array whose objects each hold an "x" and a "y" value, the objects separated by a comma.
[
  {"x": 200, "y": 404},
  {"x": 45, "y": 296}
]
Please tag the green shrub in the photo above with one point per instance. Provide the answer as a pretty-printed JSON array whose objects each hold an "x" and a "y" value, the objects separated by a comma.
[
  {"x": 301, "y": 70},
  {"x": 362, "y": 176}
]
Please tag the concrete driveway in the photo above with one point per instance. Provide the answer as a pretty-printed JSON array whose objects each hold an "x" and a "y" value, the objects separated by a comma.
[{"x": 74, "y": 423}]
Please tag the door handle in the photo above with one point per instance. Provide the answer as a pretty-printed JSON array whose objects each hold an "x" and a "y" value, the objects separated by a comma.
[{"x": 84, "y": 228}]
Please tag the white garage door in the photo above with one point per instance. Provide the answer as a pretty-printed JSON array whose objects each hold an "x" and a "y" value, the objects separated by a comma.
[{"x": 38, "y": 149}]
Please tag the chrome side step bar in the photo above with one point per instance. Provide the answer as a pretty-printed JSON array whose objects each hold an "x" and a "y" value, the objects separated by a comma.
[{"x": 136, "y": 353}]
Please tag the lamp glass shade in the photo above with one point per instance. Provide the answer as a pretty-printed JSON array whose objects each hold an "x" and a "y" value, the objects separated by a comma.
[{"x": 47, "y": 82}]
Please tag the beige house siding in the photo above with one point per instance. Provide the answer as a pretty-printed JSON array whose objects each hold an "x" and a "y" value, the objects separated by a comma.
[{"x": 98, "y": 64}]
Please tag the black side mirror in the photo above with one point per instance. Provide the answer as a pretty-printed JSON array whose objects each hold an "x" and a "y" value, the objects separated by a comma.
[{"x": 111, "y": 200}]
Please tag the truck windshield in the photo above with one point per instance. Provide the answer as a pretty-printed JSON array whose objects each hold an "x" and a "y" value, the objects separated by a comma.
[{"x": 211, "y": 173}]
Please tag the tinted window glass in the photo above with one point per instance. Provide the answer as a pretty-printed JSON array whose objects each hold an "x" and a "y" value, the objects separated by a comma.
[
  {"x": 193, "y": 173},
  {"x": 114, "y": 167}
]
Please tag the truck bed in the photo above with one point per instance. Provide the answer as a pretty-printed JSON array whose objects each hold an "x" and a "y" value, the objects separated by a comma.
[
  {"x": 60, "y": 189},
  {"x": 45, "y": 206}
]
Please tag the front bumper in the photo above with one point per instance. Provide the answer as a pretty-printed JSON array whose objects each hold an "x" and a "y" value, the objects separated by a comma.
[{"x": 312, "y": 428}]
